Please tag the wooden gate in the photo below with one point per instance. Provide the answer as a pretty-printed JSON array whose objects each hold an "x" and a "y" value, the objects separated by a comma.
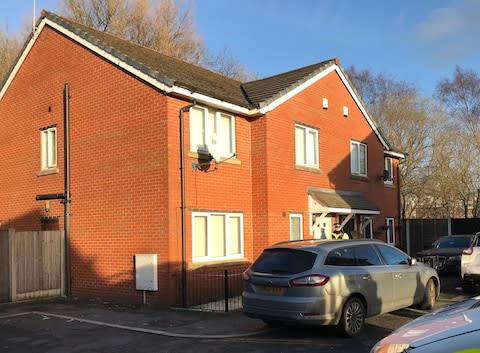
[{"x": 31, "y": 264}]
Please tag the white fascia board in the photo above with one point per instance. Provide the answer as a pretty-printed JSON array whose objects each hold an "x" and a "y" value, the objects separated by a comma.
[
  {"x": 21, "y": 59},
  {"x": 174, "y": 89},
  {"x": 109, "y": 57},
  {"x": 351, "y": 211},
  {"x": 214, "y": 102},
  {"x": 297, "y": 90},
  {"x": 314, "y": 79},
  {"x": 394, "y": 154},
  {"x": 361, "y": 107},
  {"x": 86, "y": 44}
]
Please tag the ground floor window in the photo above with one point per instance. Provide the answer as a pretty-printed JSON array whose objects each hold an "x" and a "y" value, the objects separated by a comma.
[
  {"x": 296, "y": 223},
  {"x": 217, "y": 235},
  {"x": 390, "y": 224}
]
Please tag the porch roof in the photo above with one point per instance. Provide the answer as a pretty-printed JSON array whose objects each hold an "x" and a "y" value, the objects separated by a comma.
[{"x": 338, "y": 201}]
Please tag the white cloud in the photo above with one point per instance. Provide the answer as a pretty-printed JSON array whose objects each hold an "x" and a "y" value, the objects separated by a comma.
[{"x": 450, "y": 33}]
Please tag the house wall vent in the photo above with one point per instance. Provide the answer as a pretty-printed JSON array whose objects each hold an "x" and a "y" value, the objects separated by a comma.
[{"x": 325, "y": 103}]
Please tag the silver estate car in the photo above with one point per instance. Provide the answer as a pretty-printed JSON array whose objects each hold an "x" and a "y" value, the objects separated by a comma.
[{"x": 335, "y": 282}]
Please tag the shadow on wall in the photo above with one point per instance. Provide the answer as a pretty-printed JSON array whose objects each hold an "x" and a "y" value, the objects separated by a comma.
[
  {"x": 97, "y": 277},
  {"x": 369, "y": 179}
]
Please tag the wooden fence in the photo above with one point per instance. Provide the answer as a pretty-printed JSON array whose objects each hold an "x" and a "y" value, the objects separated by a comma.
[{"x": 31, "y": 264}]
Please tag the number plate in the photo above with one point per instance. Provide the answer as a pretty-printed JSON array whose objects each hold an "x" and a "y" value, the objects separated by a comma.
[{"x": 271, "y": 290}]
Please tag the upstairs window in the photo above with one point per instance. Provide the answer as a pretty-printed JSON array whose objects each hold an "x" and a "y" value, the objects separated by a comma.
[
  {"x": 388, "y": 172},
  {"x": 212, "y": 132},
  {"x": 48, "y": 139},
  {"x": 306, "y": 146},
  {"x": 358, "y": 158}
]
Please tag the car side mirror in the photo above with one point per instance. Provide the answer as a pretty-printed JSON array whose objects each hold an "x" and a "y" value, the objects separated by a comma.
[{"x": 412, "y": 261}]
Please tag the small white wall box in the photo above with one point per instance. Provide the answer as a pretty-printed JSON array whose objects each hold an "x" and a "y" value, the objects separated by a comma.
[
  {"x": 146, "y": 273},
  {"x": 325, "y": 103},
  {"x": 345, "y": 111}
]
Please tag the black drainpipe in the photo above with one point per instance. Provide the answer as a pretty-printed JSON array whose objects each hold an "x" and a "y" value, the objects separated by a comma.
[
  {"x": 182, "y": 206},
  {"x": 66, "y": 201}
]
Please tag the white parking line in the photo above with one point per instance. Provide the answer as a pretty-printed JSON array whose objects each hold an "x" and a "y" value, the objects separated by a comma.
[
  {"x": 136, "y": 329},
  {"x": 15, "y": 315}
]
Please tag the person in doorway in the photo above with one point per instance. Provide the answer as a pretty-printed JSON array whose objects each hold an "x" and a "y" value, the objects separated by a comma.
[{"x": 338, "y": 232}]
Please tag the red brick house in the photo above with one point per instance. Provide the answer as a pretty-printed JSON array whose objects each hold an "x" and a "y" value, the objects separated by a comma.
[{"x": 146, "y": 154}]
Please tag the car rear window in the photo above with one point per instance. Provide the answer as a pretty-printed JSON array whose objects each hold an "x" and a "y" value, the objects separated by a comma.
[
  {"x": 284, "y": 261},
  {"x": 454, "y": 242}
]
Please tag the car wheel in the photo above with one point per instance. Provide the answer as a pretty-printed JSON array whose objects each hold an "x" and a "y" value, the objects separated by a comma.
[
  {"x": 353, "y": 317},
  {"x": 430, "y": 295}
]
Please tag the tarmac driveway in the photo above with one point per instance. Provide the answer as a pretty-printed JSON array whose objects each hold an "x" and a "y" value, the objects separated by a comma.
[{"x": 76, "y": 326}]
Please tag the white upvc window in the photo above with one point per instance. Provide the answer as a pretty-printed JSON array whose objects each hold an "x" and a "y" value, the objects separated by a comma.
[
  {"x": 212, "y": 132},
  {"x": 296, "y": 226},
  {"x": 48, "y": 138},
  {"x": 306, "y": 146},
  {"x": 216, "y": 236},
  {"x": 388, "y": 177},
  {"x": 367, "y": 226},
  {"x": 358, "y": 158},
  {"x": 390, "y": 224}
]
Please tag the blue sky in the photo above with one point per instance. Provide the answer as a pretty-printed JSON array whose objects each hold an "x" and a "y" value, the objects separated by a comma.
[{"x": 418, "y": 41}]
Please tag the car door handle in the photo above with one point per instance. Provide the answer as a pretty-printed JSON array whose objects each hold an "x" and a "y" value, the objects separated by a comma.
[
  {"x": 367, "y": 277},
  {"x": 398, "y": 275}
]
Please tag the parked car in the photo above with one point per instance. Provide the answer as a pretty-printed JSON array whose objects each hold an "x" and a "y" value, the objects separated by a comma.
[
  {"x": 470, "y": 265},
  {"x": 455, "y": 328},
  {"x": 446, "y": 252},
  {"x": 335, "y": 282}
]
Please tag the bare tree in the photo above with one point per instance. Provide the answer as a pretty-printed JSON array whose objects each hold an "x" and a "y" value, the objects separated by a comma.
[
  {"x": 410, "y": 123},
  {"x": 9, "y": 47},
  {"x": 461, "y": 96},
  {"x": 166, "y": 26}
]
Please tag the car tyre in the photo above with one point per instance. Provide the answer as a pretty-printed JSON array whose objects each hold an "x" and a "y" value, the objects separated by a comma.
[
  {"x": 429, "y": 296},
  {"x": 353, "y": 317}
]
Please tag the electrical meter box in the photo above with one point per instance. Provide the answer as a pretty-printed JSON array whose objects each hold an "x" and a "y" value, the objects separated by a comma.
[{"x": 146, "y": 274}]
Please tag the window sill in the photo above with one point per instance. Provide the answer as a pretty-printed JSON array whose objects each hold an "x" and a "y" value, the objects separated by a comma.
[
  {"x": 48, "y": 172},
  {"x": 308, "y": 169},
  {"x": 232, "y": 160},
  {"x": 359, "y": 177},
  {"x": 389, "y": 185},
  {"x": 195, "y": 265}
]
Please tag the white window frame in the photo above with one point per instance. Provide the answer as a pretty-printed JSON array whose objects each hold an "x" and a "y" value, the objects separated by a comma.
[
  {"x": 389, "y": 167},
  {"x": 227, "y": 216},
  {"x": 300, "y": 216},
  {"x": 358, "y": 159},
  {"x": 368, "y": 224},
  {"x": 47, "y": 161},
  {"x": 310, "y": 152},
  {"x": 390, "y": 230},
  {"x": 213, "y": 135}
]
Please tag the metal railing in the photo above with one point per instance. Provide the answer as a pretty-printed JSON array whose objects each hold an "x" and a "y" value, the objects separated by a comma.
[{"x": 215, "y": 290}]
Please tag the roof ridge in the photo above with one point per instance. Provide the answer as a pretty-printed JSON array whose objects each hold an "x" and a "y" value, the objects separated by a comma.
[{"x": 292, "y": 71}]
